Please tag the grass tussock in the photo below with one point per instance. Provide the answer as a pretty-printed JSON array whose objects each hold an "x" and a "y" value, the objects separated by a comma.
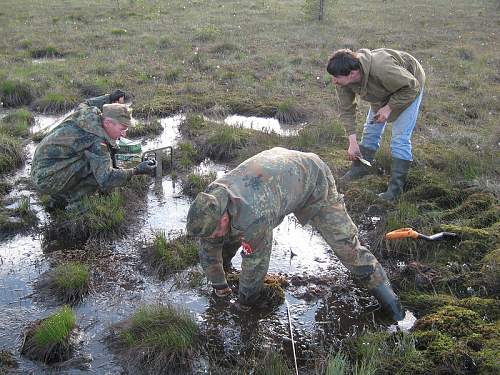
[
  {"x": 186, "y": 155},
  {"x": 57, "y": 101},
  {"x": 7, "y": 362},
  {"x": 195, "y": 183},
  {"x": 46, "y": 53},
  {"x": 14, "y": 93},
  {"x": 145, "y": 129},
  {"x": 70, "y": 281},
  {"x": 49, "y": 340},
  {"x": 273, "y": 364},
  {"x": 11, "y": 153},
  {"x": 19, "y": 218},
  {"x": 17, "y": 123},
  {"x": 157, "y": 338},
  {"x": 170, "y": 254}
]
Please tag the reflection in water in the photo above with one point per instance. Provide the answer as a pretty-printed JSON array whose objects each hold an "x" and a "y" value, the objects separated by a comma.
[{"x": 259, "y": 123}]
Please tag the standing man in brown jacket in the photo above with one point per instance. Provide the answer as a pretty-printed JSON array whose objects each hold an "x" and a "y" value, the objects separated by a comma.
[{"x": 393, "y": 83}]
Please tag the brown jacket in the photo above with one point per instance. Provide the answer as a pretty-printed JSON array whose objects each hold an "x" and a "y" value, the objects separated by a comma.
[{"x": 388, "y": 77}]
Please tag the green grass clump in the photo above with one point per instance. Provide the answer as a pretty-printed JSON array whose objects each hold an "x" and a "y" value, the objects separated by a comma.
[
  {"x": 337, "y": 364},
  {"x": 141, "y": 129},
  {"x": 57, "y": 102},
  {"x": 193, "y": 125},
  {"x": 224, "y": 143},
  {"x": 158, "y": 337},
  {"x": 289, "y": 112},
  {"x": 207, "y": 34},
  {"x": 273, "y": 364},
  {"x": 187, "y": 154},
  {"x": 173, "y": 254},
  {"x": 49, "y": 339},
  {"x": 46, "y": 52},
  {"x": 118, "y": 32},
  {"x": 15, "y": 93},
  {"x": 56, "y": 328},
  {"x": 11, "y": 153},
  {"x": 71, "y": 281},
  {"x": 17, "y": 123},
  {"x": 196, "y": 183},
  {"x": 104, "y": 213}
]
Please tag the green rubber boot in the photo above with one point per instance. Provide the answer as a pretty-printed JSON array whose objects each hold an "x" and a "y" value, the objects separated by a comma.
[
  {"x": 358, "y": 169},
  {"x": 388, "y": 300},
  {"x": 399, "y": 172}
]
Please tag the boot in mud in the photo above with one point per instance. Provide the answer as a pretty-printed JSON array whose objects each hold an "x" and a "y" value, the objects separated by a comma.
[
  {"x": 399, "y": 172},
  {"x": 388, "y": 300},
  {"x": 358, "y": 169}
]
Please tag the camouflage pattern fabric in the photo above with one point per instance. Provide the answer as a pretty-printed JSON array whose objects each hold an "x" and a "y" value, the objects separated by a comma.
[
  {"x": 98, "y": 101},
  {"x": 262, "y": 191},
  {"x": 74, "y": 160}
]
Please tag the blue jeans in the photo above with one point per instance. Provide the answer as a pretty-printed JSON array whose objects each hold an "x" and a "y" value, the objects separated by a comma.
[{"x": 402, "y": 130}]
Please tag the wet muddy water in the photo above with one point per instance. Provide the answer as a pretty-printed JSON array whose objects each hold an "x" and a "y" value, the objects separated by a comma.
[{"x": 324, "y": 304}]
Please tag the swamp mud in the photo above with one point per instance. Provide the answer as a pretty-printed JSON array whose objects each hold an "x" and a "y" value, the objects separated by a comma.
[{"x": 325, "y": 308}]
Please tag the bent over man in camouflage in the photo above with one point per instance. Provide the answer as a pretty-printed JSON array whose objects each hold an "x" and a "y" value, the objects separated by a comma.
[
  {"x": 242, "y": 208},
  {"x": 74, "y": 160}
]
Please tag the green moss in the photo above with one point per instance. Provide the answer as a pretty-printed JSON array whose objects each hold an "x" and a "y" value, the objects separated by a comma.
[
  {"x": 474, "y": 204},
  {"x": 56, "y": 328},
  {"x": 485, "y": 307},
  {"x": 425, "y": 303},
  {"x": 174, "y": 254},
  {"x": 15, "y": 93},
  {"x": 451, "y": 320},
  {"x": 490, "y": 270},
  {"x": 472, "y": 234}
]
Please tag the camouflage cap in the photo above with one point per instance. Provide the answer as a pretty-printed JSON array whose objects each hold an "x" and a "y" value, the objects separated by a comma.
[
  {"x": 206, "y": 211},
  {"x": 118, "y": 112}
]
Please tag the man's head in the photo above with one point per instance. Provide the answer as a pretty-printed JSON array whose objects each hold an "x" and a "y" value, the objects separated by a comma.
[
  {"x": 345, "y": 68},
  {"x": 116, "y": 118},
  {"x": 207, "y": 216}
]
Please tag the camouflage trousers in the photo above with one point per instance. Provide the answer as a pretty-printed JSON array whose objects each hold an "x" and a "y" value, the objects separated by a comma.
[
  {"x": 73, "y": 192},
  {"x": 336, "y": 227}
]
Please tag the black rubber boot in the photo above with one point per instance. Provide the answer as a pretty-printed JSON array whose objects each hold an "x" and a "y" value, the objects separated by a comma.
[
  {"x": 399, "y": 171},
  {"x": 358, "y": 169},
  {"x": 389, "y": 301}
]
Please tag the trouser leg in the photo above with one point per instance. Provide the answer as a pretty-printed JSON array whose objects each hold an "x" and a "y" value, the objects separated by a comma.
[
  {"x": 229, "y": 249},
  {"x": 340, "y": 233},
  {"x": 254, "y": 268}
]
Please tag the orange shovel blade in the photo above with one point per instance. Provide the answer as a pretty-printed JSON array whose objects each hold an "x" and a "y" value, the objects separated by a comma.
[{"x": 402, "y": 233}]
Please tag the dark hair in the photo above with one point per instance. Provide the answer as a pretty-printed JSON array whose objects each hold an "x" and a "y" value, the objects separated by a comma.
[{"x": 342, "y": 62}]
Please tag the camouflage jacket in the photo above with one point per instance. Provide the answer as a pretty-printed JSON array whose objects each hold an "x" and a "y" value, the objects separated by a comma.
[
  {"x": 77, "y": 148},
  {"x": 388, "y": 77},
  {"x": 262, "y": 191}
]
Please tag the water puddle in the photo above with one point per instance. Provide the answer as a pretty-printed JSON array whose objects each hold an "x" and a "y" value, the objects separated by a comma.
[
  {"x": 263, "y": 124},
  {"x": 324, "y": 303},
  {"x": 46, "y": 60}
]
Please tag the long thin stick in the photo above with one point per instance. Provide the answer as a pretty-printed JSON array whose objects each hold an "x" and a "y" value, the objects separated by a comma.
[{"x": 291, "y": 335}]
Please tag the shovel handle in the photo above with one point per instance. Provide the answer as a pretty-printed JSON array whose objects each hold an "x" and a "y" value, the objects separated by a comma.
[{"x": 402, "y": 233}]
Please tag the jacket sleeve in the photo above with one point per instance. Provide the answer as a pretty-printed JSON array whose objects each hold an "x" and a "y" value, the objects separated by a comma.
[
  {"x": 106, "y": 176},
  {"x": 211, "y": 261},
  {"x": 347, "y": 108},
  {"x": 98, "y": 101},
  {"x": 403, "y": 85}
]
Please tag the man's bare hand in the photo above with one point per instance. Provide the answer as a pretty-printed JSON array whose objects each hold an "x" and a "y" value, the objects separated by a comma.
[
  {"x": 382, "y": 114},
  {"x": 353, "y": 152}
]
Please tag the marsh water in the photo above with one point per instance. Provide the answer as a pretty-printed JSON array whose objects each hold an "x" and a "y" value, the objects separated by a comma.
[{"x": 325, "y": 305}]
